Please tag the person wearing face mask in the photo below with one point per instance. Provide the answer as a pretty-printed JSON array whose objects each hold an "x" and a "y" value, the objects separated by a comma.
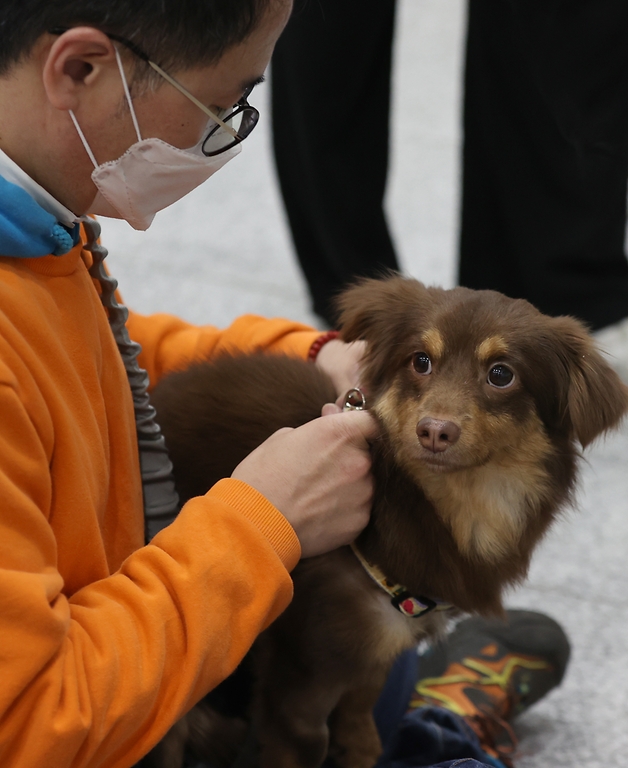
[
  {"x": 120, "y": 108},
  {"x": 152, "y": 174},
  {"x": 118, "y": 609}
]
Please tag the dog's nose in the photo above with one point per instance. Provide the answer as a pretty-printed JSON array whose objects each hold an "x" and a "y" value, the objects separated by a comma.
[{"x": 436, "y": 434}]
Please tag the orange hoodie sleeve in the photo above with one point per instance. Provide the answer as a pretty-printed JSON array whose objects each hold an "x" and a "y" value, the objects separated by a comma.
[
  {"x": 96, "y": 678},
  {"x": 169, "y": 343},
  {"x": 104, "y": 642}
]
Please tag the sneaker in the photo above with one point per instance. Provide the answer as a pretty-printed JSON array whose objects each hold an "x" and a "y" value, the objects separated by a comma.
[
  {"x": 613, "y": 342},
  {"x": 489, "y": 671}
]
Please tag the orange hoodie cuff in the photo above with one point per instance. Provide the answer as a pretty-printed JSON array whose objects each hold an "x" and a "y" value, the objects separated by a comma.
[{"x": 264, "y": 515}]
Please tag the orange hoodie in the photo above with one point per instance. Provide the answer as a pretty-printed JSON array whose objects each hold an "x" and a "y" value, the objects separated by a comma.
[{"x": 105, "y": 642}]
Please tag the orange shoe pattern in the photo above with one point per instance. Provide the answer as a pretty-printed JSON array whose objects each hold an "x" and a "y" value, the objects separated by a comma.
[{"x": 486, "y": 692}]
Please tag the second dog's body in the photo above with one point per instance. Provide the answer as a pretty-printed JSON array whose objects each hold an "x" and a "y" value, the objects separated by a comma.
[{"x": 480, "y": 400}]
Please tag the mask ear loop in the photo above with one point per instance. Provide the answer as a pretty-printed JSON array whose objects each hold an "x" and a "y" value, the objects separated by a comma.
[
  {"x": 127, "y": 94},
  {"x": 88, "y": 149}
]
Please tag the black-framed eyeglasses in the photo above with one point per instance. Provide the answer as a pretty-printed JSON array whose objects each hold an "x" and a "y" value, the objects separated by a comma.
[{"x": 231, "y": 126}]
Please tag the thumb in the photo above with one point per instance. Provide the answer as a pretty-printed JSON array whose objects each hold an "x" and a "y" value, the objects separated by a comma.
[{"x": 362, "y": 427}]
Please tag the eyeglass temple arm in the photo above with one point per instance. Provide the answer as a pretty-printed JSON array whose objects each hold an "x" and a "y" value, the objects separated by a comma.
[
  {"x": 140, "y": 53},
  {"x": 192, "y": 98}
]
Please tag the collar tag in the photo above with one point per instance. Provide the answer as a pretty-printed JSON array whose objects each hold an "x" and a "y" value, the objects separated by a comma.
[
  {"x": 413, "y": 606},
  {"x": 355, "y": 400},
  {"x": 410, "y": 605}
]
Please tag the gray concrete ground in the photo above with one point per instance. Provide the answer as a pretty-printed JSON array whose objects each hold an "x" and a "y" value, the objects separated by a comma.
[{"x": 225, "y": 250}]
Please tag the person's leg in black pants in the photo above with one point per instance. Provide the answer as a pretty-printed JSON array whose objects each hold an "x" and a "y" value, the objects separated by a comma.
[
  {"x": 330, "y": 100},
  {"x": 546, "y": 154}
]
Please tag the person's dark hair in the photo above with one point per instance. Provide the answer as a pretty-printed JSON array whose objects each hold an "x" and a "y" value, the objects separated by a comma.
[{"x": 177, "y": 34}]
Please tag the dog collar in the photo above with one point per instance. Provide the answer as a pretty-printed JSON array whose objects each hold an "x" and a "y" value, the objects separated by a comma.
[{"x": 408, "y": 604}]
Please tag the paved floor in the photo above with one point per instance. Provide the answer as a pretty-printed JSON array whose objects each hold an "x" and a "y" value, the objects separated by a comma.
[{"x": 225, "y": 250}]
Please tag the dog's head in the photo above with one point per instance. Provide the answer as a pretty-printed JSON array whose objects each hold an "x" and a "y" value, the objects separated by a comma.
[{"x": 482, "y": 399}]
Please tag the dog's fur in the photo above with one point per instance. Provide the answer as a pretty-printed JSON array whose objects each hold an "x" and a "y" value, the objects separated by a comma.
[{"x": 468, "y": 475}]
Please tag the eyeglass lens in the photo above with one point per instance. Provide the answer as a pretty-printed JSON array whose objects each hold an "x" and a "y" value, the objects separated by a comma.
[{"x": 242, "y": 120}]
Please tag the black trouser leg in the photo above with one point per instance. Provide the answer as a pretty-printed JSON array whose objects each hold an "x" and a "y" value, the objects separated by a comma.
[
  {"x": 331, "y": 93},
  {"x": 545, "y": 154}
]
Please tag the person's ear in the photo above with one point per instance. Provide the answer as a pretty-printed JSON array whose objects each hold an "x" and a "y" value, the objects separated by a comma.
[{"x": 77, "y": 59}]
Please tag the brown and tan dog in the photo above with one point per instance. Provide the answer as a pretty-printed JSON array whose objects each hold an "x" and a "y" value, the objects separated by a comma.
[{"x": 481, "y": 402}]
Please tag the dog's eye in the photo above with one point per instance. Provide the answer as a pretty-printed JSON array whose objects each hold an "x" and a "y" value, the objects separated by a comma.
[
  {"x": 500, "y": 376},
  {"x": 421, "y": 362}
]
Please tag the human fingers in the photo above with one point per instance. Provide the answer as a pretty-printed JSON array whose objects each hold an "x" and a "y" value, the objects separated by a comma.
[
  {"x": 342, "y": 363},
  {"x": 360, "y": 426},
  {"x": 318, "y": 476}
]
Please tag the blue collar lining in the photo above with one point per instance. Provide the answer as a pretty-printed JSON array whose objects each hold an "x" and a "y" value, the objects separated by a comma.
[{"x": 27, "y": 230}]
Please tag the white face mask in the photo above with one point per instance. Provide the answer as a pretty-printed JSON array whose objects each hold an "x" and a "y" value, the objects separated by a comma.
[{"x": 150, "y": 175}]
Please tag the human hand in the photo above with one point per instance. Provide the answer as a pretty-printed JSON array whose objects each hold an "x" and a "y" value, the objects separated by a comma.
[
  {"x": 342, "y": 363},
  {"x": 318, "y": 477}
]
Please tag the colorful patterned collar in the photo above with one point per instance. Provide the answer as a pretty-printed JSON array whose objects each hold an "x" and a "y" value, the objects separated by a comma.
[{"x": 408, "y": 604}]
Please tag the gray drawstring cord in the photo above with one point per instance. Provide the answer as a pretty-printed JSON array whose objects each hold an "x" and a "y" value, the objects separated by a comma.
[{"x": 161, "y": 501}]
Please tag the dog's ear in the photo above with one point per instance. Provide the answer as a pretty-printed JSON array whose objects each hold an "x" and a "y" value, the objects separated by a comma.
[
  {"x": 596, "y": 399},
  {"x": 367, "y": 306},
  {"x": 382, "y": 312},
  {"x": 372, "y": 307}
]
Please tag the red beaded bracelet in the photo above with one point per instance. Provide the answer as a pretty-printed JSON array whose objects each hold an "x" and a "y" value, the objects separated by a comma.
[{"x": 320, "y": 342}]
